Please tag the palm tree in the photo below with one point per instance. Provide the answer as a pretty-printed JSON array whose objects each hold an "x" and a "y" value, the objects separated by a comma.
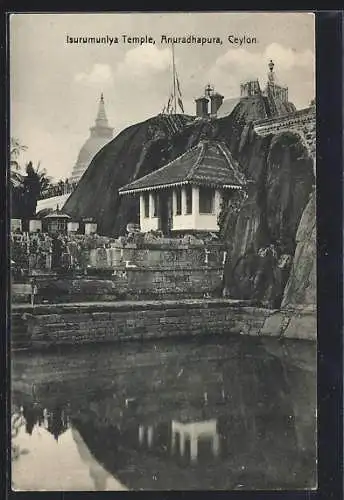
[
  {"x": 25, "y": 189},
  {"x": 16, "y": 178},
  {"x": 44, "y": 179}
]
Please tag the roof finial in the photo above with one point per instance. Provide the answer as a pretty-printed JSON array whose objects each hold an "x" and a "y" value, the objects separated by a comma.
[
  {"x": 271, "y": 74},
  {"x": 209, "y": 90}
]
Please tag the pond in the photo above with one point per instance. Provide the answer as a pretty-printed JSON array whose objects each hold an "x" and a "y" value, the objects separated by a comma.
[{"x": 229, "y": 413}]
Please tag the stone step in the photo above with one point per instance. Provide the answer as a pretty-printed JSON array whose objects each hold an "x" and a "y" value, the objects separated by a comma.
[{"x": 18, "y": 335}]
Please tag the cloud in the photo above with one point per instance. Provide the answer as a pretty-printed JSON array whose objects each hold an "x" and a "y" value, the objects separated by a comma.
[
  {"x": 100, "y": 74},
  {"x": 143, "y": 61},
  {"x": 288, "y": 58},
  {"x": 144, "y": 79},
  {"x": 292, "y": 68}
]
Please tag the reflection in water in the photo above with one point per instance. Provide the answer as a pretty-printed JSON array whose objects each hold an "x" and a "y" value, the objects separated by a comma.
[
  {"x": 193, "y": 432},
  {"x": 66, "y": 466},
  {"x": 55, "y": 420},
  {"x": 235, "y": 413}
]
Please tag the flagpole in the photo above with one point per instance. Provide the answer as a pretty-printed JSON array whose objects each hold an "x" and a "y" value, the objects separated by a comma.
[{"x": 174, "y": 80}]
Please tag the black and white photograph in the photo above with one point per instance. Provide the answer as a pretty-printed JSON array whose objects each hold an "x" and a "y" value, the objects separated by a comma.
[{"x": 163, "y": 251}]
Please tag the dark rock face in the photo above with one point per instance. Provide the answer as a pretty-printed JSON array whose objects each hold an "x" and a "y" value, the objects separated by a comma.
[
  {"x": 259, "y": 228},
  {"x": 301, "y": 286},
  {"x": 265, "y": 228}
]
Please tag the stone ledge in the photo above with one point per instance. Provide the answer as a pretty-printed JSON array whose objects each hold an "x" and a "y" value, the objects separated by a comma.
[
  {"x": 127, "y": 306},
  {"x": 80, "y": 323}
]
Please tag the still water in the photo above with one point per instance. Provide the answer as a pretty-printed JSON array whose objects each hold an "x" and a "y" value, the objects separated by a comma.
[{"x": 230, "y": 414}]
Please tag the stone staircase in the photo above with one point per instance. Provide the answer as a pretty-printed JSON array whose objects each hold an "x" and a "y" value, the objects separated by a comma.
[{"x": 18, "y": 331}]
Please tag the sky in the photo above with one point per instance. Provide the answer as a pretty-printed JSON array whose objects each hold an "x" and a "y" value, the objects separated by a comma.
[{"x": 55, "y": 86}]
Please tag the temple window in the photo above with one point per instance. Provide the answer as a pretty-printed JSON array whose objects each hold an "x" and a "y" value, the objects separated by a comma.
[
  {"x": 206, "y": 200},
  {"x": 178, "y": 201},
  {"x": 188, "y": 199},
  {"x": 146, "y": 204}
]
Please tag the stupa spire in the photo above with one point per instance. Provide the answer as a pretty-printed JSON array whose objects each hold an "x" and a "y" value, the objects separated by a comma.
[
  {"x": 101, "y": 120},
  {"x": 100, "y": 134}
]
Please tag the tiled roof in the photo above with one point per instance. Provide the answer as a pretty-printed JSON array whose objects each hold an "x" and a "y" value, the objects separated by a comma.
[{"x": 210, "y": 163}]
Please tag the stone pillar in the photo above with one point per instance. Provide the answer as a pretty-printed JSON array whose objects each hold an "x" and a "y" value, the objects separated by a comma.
[
  {"x": 206, "y": 256},
  {"x": 34, "y": 225},
  {"x": 16, "y": 224},
  {"x": 174, "y": 201},
  {"x": 217, "y": 202},
  {"x": 151, "y": 205},
  {"x": 193, "y": 448},
  {"x": 195, "y": 200},
  {"x": 173, "y": 441},
  {"x": 142, "y": 208},
  {"x": 183, "y": 201},
  {"x": 48, "y": 260},
  {"x": 150, "y": 436},
  {"x": 216, "y": 445},
  {"x": 90, "y": 228},
  {"x": 72, "y": 227},
  {"x": 182, "y": 443},
  {"x": 141, "y": 433}
]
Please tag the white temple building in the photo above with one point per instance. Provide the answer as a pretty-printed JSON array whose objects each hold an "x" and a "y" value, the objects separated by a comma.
[{"x": 186, "y": 194}]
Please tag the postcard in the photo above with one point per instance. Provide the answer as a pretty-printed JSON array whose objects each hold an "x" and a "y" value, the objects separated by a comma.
[{"x": 163, "y": 251}]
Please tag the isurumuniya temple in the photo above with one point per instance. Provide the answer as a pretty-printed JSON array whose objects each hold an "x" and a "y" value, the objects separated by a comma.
[
  {"x": 186, "y": 194},
  {"x": 172, "y": 171}
]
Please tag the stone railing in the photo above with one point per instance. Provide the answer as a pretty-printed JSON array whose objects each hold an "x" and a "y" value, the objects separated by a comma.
[
  {"x": 81, "y": 253},
  {"x": 302, "y": 122},
  {"x": 268, "y": 125},
  {"x": 59, "y": 189}
]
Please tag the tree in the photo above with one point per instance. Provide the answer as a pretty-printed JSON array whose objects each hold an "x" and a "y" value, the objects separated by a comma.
[
  {"x": 25, "y": 189},
  {"x": 16, "y": 148},
  {"x": 35, "y": 184},
  {"x": 44, "y": 180},
  {"x": 16, "y": 178}
]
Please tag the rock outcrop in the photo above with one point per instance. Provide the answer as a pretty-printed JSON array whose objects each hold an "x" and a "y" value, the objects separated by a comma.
[
  {"x": 301, "y": 286},
  {"x": 262, "y": 234}
]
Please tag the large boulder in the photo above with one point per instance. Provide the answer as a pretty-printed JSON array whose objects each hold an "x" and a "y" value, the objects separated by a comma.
[
  {"x": 263, "y": 237},
  {"x": 301, "y": 286},
  {"x": 141, "y": 149}
]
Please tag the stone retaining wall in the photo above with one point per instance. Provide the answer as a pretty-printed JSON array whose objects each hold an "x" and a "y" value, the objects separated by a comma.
[
  {"x": 126, "y": 283},
  {"x": 124, "y": 321},
  {"x": 156, "y": 256}
]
